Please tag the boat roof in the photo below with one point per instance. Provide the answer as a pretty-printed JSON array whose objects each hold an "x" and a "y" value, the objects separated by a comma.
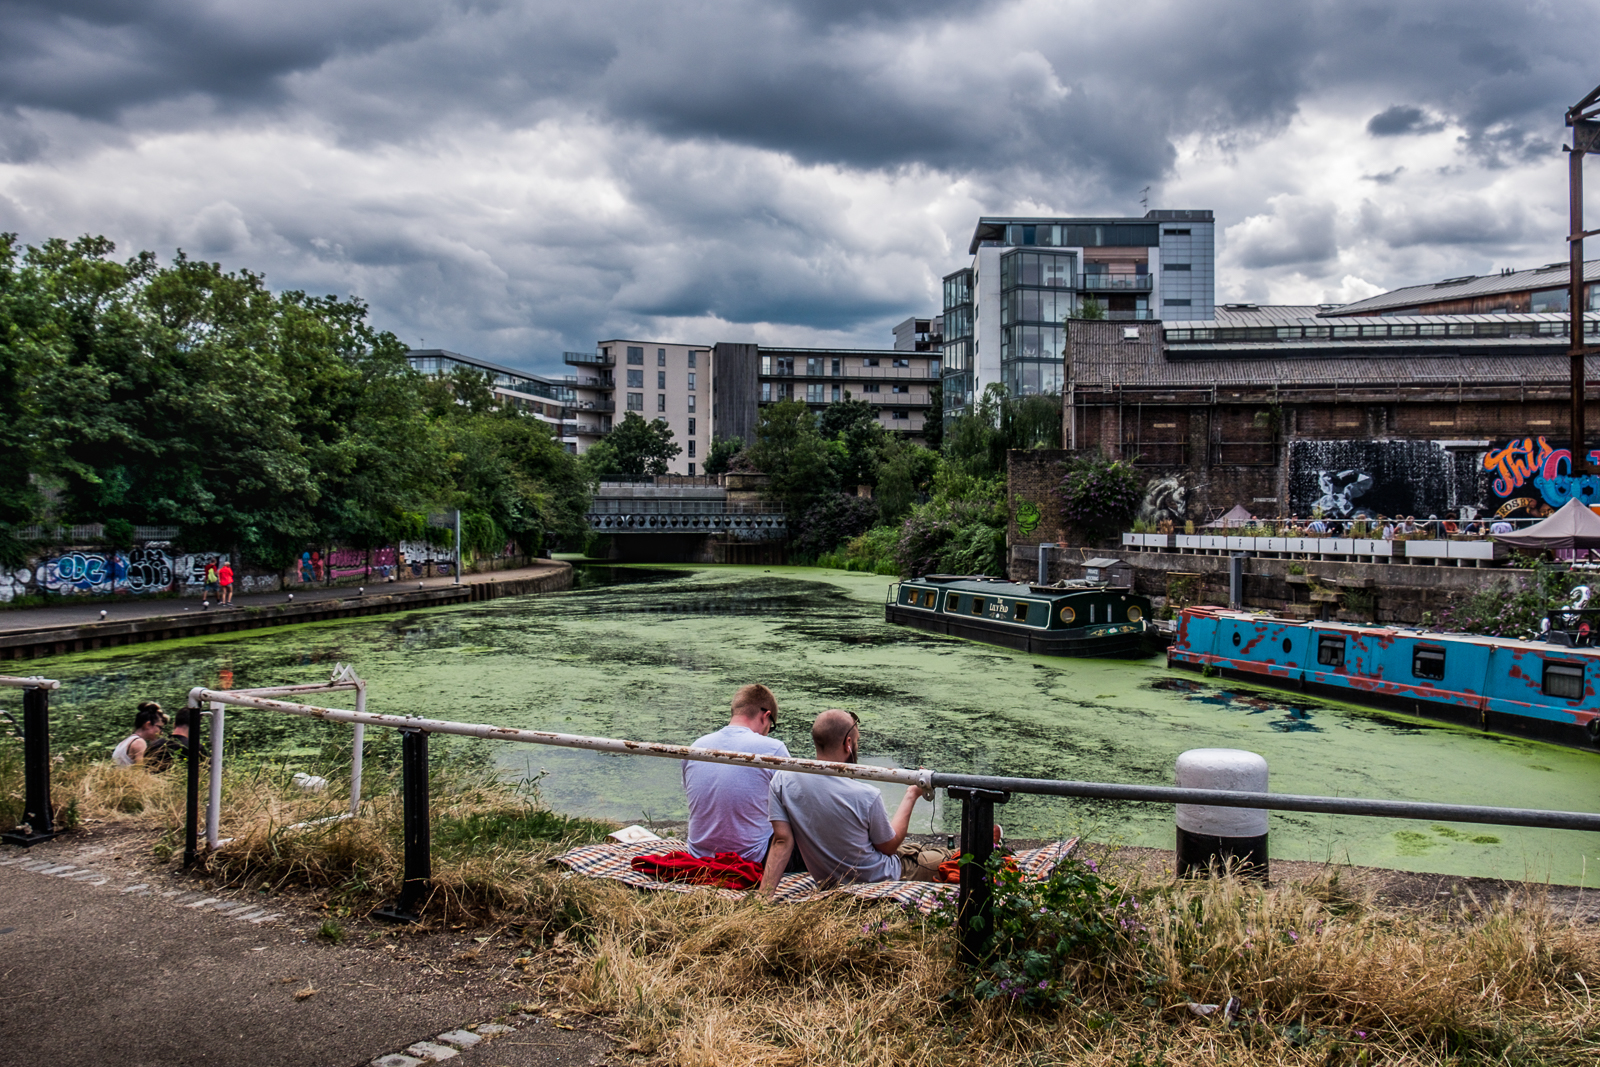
[
  {"x": 1393, "y": 631},
  {"x": 1004, "y": 587}
]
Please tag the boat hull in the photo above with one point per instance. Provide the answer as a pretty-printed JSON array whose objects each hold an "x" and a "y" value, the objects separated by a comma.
[{"x": 1118, "y": 641}]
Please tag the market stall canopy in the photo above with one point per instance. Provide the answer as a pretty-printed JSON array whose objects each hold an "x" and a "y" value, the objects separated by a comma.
[
  {"x": 1574, "y": 526},
  {"x": 1235, "y": 516}
]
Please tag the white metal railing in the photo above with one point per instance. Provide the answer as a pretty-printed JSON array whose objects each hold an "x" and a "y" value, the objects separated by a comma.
[
  {"x": 344, "y": 679},
  {"x": 28, "y": 683}
]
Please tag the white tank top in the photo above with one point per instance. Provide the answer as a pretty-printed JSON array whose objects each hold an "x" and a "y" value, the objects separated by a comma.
[{"x": 119, "y": 755}]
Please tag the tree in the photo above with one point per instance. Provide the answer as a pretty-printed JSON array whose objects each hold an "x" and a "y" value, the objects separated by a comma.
[
  {"x": 792, "y": 451},
  {"x": 854, "y": 424},
  {"x": 643, "y": 449},
  {"x": 908, "y": 471},
  {"x": 1091, "y": 309},
  {"x": 721, "y": 454},
  {"x": 1099, "y": 496}
]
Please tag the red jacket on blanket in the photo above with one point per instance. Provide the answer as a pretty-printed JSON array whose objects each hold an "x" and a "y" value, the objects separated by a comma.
[{"x": 726, "y": 869}]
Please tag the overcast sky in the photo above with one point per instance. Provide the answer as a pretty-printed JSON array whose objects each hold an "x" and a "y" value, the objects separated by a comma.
[{"x": 512, "y": 178}]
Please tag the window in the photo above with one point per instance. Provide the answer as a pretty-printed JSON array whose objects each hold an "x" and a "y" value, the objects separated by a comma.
[
  {"x": 1175, "y": 233},
  {"x": 900, "y": 415},
  {"x": 691, "y": 401},
  {"x": 1330, "y": 650},
  {"x": 869, "y": 387},
  {"x": 814, "y": 393},
  {"x": 1175, "y": 303},
  {"x": 766, "y": 364},
  {"x": 837, "y": 362},
  {"x": 1551, "y": 300},
  {"x": 902, "y": 363},
  {"x": 692, "y": 354},
  {"x": 1176, "y": 266},
  {"x": 836, "y": 394},
  {"x": 691, "y": 427},
  {"x": 977, "y": 605},
  {"x": 691, "y": 380},
  {"x": 691, "y": 448},
  {"x": 873, "y": 362},
  {"x": 636, "y": 355},
  {"x": 952, "y": 603},
  {"x": 1020, "y": 611},
  {"x": 661, "y": 357},
  {"x": 636, "y": 379},
  {"x": 814, "y": 364},
  {"x": 691, "y": 470},
  {"x": 1564, "y": 680},
  {"x": 661, "y": 401},
  {"x": 783, "y": 365},
  {"x": 766, "y": 392},
  {"x": 661, "y": 379},
  {"x": 1427, "y": 662},
  {"x": 900, "y": 388},
  {"x": 635, "y": 401}
]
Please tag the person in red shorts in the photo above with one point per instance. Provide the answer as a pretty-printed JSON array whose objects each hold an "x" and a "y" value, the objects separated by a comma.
[{"x": 225, "y": 580}]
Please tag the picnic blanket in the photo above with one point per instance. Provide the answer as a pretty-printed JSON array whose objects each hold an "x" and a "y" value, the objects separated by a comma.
[{"x": 615, "y": 861}]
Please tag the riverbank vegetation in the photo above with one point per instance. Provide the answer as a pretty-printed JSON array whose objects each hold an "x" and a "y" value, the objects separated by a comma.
[
  {"x": 133, "y": 393},
  {"x": 1101, "y": 965}
]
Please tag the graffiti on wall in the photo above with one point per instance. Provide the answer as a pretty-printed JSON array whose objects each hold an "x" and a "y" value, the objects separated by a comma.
[
  {"x": 1363, "y": 479},
  {"x": 1532, "y": 476},
  {"x": 145, "y": 570},
  {"x": 1164, "y": 500}
]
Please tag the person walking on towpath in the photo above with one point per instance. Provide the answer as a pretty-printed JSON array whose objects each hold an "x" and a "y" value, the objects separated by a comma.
[
  {"x": 727, "y": 802},
  {"x": 147, "y": 723},
  {"x": 839, "y": 824},
  {"x": 225, "y": 580},
  {"x": 212, "y": 590}
]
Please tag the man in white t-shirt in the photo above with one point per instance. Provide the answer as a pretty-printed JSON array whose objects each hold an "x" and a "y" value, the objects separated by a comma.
[
  {"x": 839, "y": 824},
  {"x": 728, "y": 803}
]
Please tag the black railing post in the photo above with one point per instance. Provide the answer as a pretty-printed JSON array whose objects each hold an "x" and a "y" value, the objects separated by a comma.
[
  {"x": 38, "y": 821},
  {"x": 418, "y": 844},
  {"x": 191, "y": 821},
  {"x": 975, "y": 898}
]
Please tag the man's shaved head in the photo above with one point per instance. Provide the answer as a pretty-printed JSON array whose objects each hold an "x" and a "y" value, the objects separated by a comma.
[{"x": 828, "y": 733}]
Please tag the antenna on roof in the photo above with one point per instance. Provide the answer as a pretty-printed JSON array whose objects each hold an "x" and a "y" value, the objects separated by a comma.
[{"x": 1144, "y": 198}]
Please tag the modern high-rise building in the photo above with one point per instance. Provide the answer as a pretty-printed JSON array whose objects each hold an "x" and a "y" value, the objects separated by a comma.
[
  {"x": 1005, "y": 313},
  {"x": 550, "y": 400}
]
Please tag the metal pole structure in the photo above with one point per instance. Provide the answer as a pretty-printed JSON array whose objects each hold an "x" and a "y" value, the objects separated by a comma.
[
  {"x": 458, "y": 546},
  {"x": 214, "y": 800},
  {"x": 418, "y": 860},
  {"x": 1585, "y": 139},
  {"x": 191, "y": 822},
  {"x": 357, "y": 749},
  {"x": 975, "y": 897},
  {"x": 38, "y": 820}
]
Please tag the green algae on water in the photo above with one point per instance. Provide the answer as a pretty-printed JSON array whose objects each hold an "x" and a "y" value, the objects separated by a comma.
[{"x": 655, "y": 653}]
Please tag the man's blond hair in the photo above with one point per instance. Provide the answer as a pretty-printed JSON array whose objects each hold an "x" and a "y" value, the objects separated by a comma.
[{"x": 751, "y": 700}]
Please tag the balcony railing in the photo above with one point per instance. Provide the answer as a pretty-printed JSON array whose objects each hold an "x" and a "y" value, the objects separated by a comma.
[
  {"x": 588, "y": 359},
  {"x": 572, "y": 407},
  {"x": 582, "y": 429},
  {"x": 1140, "y": 315},
  {"x": 865, "y": 373},
  {"x": 589, "y": 381},
  {"x": 1120, "y": 283}
]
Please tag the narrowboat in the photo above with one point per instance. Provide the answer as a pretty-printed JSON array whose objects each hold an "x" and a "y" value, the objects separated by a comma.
[
  {"x": 1067, "y": 619},
  {"x": 1543, "y": 689}
]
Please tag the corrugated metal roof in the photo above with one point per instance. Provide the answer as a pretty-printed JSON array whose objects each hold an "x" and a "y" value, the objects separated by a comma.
[
  {"x": 1553, "y": 276},
  {"x": 1101, "y": 356},
  {"x": 1261, "y": 315}
]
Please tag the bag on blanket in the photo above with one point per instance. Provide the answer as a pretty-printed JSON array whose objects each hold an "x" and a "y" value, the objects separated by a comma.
[{"x": 728, "y": 870}]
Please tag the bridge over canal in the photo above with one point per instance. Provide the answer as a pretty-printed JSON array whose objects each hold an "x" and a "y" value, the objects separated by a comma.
[{"x": 685, "y": 520}]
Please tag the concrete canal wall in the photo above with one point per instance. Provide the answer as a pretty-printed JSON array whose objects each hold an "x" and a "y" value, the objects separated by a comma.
[{"x": 37, "y": 642}]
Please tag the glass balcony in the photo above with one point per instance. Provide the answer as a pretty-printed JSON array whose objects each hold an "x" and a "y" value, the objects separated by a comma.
[
  {"x": 588, "y": 359},
  {"x": 1118, "y": 283},
  {"x": 575, "y": 406}
]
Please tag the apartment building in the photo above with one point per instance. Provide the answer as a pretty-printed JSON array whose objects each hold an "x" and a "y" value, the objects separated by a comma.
[
  {"x": 657, "y": 380},
  {"x": 919, "y": 335},
  {"x": 550, "y": 400},
  {"x": 898, "y": 383},
  {"x": 1005, "y": 313}
]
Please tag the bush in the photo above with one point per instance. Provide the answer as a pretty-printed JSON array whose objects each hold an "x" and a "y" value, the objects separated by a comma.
[
  {"x": 1509, "y": 608},
  {"x": 1099, "y": 497},
  {"x": 831, "y": 521}
]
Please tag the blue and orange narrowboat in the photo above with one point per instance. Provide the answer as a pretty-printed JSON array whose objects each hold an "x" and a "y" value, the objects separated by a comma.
[
  {"x": 1528, "y": 688},
  {"x": 1079, "y": 619}
]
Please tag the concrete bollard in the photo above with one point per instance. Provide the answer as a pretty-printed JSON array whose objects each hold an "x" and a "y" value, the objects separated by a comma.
[{"x": 1209, "y": 835}]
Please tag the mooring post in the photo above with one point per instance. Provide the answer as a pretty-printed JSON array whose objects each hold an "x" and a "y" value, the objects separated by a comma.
[
  {"x": 1236, "y": 580},
  {"x": 38, "y": 822},
  {"x": 191, "y": 824},
  {"x": 975, "y": 898},
  {"x": 1212, "y": 836},
  {"x": 418, "y": 860}
]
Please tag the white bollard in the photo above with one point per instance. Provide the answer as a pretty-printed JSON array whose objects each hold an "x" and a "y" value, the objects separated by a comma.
[{"x": 1208, "y": 835}]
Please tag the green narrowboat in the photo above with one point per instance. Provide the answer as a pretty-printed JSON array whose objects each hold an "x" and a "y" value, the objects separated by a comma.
[{"x": 1067, "y": 619}]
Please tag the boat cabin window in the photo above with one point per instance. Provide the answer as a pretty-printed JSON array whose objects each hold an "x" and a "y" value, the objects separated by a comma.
[
  {"x": 1134, "y": 614},
  {"x": 952, "y": 603},
  {"x": 977, "y": 605},
  {"x": 1428, "y": 662},
  {"x": 1563, "y": 680},
  {"x": 1067, "y": 614},
  {"x": 1330, "y": 650},
  {"x": 1020, "y": 612},
  {"x": 929, "y": 599}
]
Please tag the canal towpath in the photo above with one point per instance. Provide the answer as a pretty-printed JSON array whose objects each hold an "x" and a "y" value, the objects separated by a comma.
[{"x": 68, "y": 626}]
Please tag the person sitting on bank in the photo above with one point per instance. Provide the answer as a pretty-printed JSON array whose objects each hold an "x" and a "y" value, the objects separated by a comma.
[
  {"x": 176, "y": 747},
  {"x": 728, "y": 803},
  {"x": 840, "y": 826},
  {"x": 147, "y": 723}
]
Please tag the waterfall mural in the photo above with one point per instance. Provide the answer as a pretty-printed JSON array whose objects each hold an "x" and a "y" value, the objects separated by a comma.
[{"x": 1362, "y": 479}]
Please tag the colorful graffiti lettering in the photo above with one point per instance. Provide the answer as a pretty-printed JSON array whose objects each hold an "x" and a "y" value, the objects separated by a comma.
[
  {"x": 1535, "y": 459},
  {"x": 77, "y": 570}
]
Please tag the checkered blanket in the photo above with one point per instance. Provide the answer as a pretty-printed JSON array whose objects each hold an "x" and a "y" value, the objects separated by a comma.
[{"x": 614, "y": 861}]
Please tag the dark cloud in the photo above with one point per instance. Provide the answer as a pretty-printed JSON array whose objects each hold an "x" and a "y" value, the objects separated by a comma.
[
  {"x": 1384, "y": 177},
  {"x": 1402, "y": 120}
]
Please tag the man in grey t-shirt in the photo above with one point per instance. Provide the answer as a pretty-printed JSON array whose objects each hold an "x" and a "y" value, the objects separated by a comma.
[
  {"x": 727, "y": 802},
  {"x": 839, "y": 824}
]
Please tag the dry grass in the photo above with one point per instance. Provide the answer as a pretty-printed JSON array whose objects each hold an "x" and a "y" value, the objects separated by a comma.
[{"x": 1325, "y": 979}]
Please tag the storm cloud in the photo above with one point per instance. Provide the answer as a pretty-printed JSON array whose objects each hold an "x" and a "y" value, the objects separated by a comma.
[{"x": 514, "y": 179}]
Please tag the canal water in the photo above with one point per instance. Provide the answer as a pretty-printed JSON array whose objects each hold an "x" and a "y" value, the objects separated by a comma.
[{"x": 655, "y": 653}]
